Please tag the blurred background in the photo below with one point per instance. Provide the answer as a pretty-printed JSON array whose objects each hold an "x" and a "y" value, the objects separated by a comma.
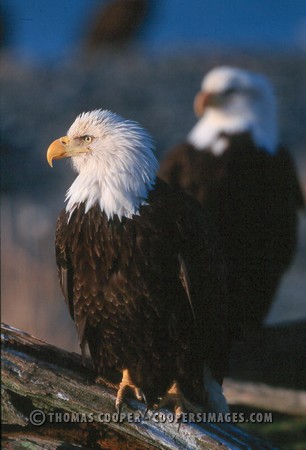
[{"x": 143, "y": 59}]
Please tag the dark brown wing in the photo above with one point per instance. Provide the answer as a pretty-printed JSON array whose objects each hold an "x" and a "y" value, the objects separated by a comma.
[
  {"x": 207, "y": 275},
  {"x": 203, "y": 275},
  {"x": 184, "y": 277},
  {"x": 290, "y": 178},
  {"x": 65, "y": 275}
]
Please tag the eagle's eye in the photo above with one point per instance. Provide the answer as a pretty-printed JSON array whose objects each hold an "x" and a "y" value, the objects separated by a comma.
[
  {"x": 229, "y": 91},
  {"x": 87, "y": 139}
]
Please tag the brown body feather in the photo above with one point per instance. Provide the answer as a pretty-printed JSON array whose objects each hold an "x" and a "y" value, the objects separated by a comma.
[
  {"x": 147, "y": 294},
  {"x": 253, "y": 198}
]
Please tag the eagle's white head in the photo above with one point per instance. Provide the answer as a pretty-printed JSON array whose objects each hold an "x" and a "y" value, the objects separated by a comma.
[
  {"x": 233, "y": 100},
  {"x": 114, "y": 159}
]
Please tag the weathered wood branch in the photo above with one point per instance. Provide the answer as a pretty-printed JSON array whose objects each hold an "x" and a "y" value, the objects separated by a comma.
[
  {"x": 37, "y": 376},
  {"x": 261, "y": 396}
]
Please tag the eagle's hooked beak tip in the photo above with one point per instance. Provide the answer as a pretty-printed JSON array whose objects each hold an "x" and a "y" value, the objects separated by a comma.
[{"x": 50, "y": 162}]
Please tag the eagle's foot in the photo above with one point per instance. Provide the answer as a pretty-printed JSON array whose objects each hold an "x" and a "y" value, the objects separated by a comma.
[
  {"x": 176, "y": 400},
  {"x": 106, "y": 383},
  {"x": 125, "y": 386}
]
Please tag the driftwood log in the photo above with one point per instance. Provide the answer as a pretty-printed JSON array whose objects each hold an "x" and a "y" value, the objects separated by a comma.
[
  {"x": 45, "y": 384},
  {"x": 261, "y": 396}
]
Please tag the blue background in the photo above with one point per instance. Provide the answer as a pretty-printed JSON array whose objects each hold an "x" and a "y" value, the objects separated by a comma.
[{"x": 47, "y": 29}]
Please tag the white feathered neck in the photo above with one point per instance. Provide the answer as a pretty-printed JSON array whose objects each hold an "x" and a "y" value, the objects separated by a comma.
[{"x": 119, "y": 169}]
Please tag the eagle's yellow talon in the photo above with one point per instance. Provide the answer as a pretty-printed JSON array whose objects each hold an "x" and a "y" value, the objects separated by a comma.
[
  {"x": 176, "y": 400},
  {"x": 104, "y": 382},
  {"x": 125, "y": 386}
]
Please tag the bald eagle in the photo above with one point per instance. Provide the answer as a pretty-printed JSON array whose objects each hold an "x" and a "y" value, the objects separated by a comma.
[
  {"x": 140, "y": 268},
  {"x": 232, "y": 164}
]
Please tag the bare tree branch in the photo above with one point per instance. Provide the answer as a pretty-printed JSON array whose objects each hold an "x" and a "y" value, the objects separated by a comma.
[{"x": 38, "y": 376}]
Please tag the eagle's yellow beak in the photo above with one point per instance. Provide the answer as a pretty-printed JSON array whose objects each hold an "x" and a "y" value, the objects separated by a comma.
[
  {"x": 201, "y": 101},
  {"x": 64, "y": 148},
  {"x": 58, "y": 149}
]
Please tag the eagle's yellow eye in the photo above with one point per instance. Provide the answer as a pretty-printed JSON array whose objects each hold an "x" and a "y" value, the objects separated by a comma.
[{"x": 87, "y": 139}]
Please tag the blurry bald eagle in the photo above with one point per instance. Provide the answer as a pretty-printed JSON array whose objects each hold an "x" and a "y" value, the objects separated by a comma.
[
  {"x": 139, "y": 267},
  {"x": 232, "y": 164}
]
